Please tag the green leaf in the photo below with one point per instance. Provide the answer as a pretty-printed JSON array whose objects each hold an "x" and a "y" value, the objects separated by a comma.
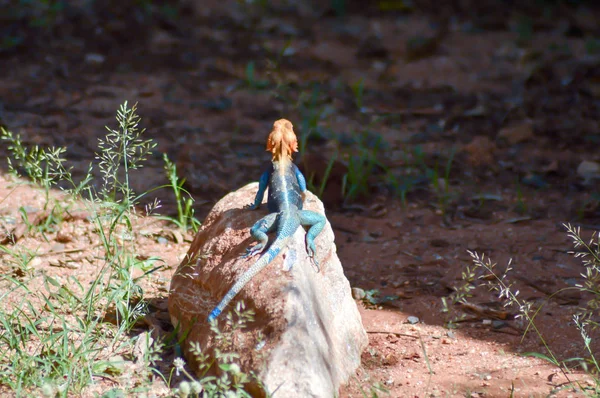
[{"x": 540, "y": 356}]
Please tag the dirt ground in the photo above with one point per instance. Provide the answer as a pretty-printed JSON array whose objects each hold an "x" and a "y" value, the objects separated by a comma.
[{"x": 482, "y": 118}]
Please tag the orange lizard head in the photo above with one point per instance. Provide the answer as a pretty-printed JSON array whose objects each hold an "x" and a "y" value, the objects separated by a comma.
[{"x": 282, "y": 141}]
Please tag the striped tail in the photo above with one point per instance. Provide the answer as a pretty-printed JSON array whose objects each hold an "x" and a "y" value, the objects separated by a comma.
[{"x": 261, "y": 263}]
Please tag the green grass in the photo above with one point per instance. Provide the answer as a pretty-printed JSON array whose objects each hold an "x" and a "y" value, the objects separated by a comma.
[
  {"x": 185, "y": 211},
  {"x": 252, "y": 81},
  {"x": 358, "y": 89},
  {"x": 364, "y": 165},
  {"x": 64, "y": 335},
  {"x": 55, "y": 338}
]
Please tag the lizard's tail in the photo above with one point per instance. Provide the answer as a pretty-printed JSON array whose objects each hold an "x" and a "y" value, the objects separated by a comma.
[{"x": 261, "y": 263}]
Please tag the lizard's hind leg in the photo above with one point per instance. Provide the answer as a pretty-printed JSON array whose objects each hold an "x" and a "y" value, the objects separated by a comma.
[
  {"x": 259, "y": 232},
  {"x": 316, "y": 223}
]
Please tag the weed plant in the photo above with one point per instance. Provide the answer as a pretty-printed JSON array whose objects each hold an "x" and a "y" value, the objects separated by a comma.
[
  {"x": 230, "y": 378},
  {"x": 185, "y": 211},
  {"x": 57, "y": 339},
  {"x": 585, "y": 319},
  {"x": 45, "y": 167}
]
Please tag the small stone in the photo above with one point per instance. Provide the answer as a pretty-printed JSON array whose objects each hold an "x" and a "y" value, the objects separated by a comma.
[
  {"x": 63, "y": 237},
  {"x": 177, "y": 236},
  {"x": 588, "y": 170},
  {"x": 534, "y": 180},
  {"x": 54, "y": 262},
  {"x": 94, "y": 59},
  {"x": 367, "y": 238},
  {"x": 57, "y": 247},
  {"x": 8, "y": 220},
  {"x": 30, "y": 209},
  {"x": 412, "y": 320},
  {"x": 358, "y": 293},
  {"x": 163, "y": 40},
  {"x": 497, "y": 324},
  {"x": 162, "y": 241},
  {"x": 72, "y": 264}
]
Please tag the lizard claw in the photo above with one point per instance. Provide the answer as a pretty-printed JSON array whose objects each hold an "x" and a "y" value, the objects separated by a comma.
[
  {"x": 310, "y": 249},
  {"x": 251, "y": 251},
  {"x": 316, "y": 263},
  {"x": 251, "y": 206}
]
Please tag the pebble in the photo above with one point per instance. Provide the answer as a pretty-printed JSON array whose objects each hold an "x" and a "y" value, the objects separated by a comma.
[
  {"x": 177, "y": 236},
  {"x": 36, "y": 261},
  {"x": 588, "y": 169},
  {"x": 8, "y": 220},
  {"x": 358, "y": 293},
  {"x": 57, "y": 247},
  {"x": 367, "y": 238},
  {"x": 94, "y": 58},
  {"x": 162, "y": 241},
  {"x": 412, "y": 320},
  {"x": 496, "y": 324}
]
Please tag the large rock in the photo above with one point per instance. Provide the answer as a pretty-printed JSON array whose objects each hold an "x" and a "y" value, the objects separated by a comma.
[{"x": 313, "y": 331}]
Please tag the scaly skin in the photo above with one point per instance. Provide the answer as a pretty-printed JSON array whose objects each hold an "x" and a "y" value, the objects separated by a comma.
[{"x": 286, "y": 193}]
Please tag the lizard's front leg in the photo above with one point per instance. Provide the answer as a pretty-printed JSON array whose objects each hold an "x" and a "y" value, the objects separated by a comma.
[
  {"x": 259, "y": 232},
  {"x": 316, "y": 223},
  {"x": 263, "y": 183}
]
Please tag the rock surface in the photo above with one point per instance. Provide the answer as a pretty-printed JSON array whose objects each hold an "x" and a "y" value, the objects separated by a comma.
[{"x": 308, "y": 319}]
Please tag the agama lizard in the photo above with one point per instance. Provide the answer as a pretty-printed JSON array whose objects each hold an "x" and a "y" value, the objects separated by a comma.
[{"x": 286, "y": 194}]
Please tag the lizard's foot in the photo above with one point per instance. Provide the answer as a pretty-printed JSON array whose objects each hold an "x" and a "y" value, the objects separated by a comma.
[
  {"x": 314, "y": 259},
  {"x": 251, "y": 251},
  {"x": 251, "y": 206},
  {"x": 312, "y": 253}
]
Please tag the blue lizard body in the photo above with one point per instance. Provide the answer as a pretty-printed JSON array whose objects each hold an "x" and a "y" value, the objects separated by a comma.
[{"x": 286, "y": 192}]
